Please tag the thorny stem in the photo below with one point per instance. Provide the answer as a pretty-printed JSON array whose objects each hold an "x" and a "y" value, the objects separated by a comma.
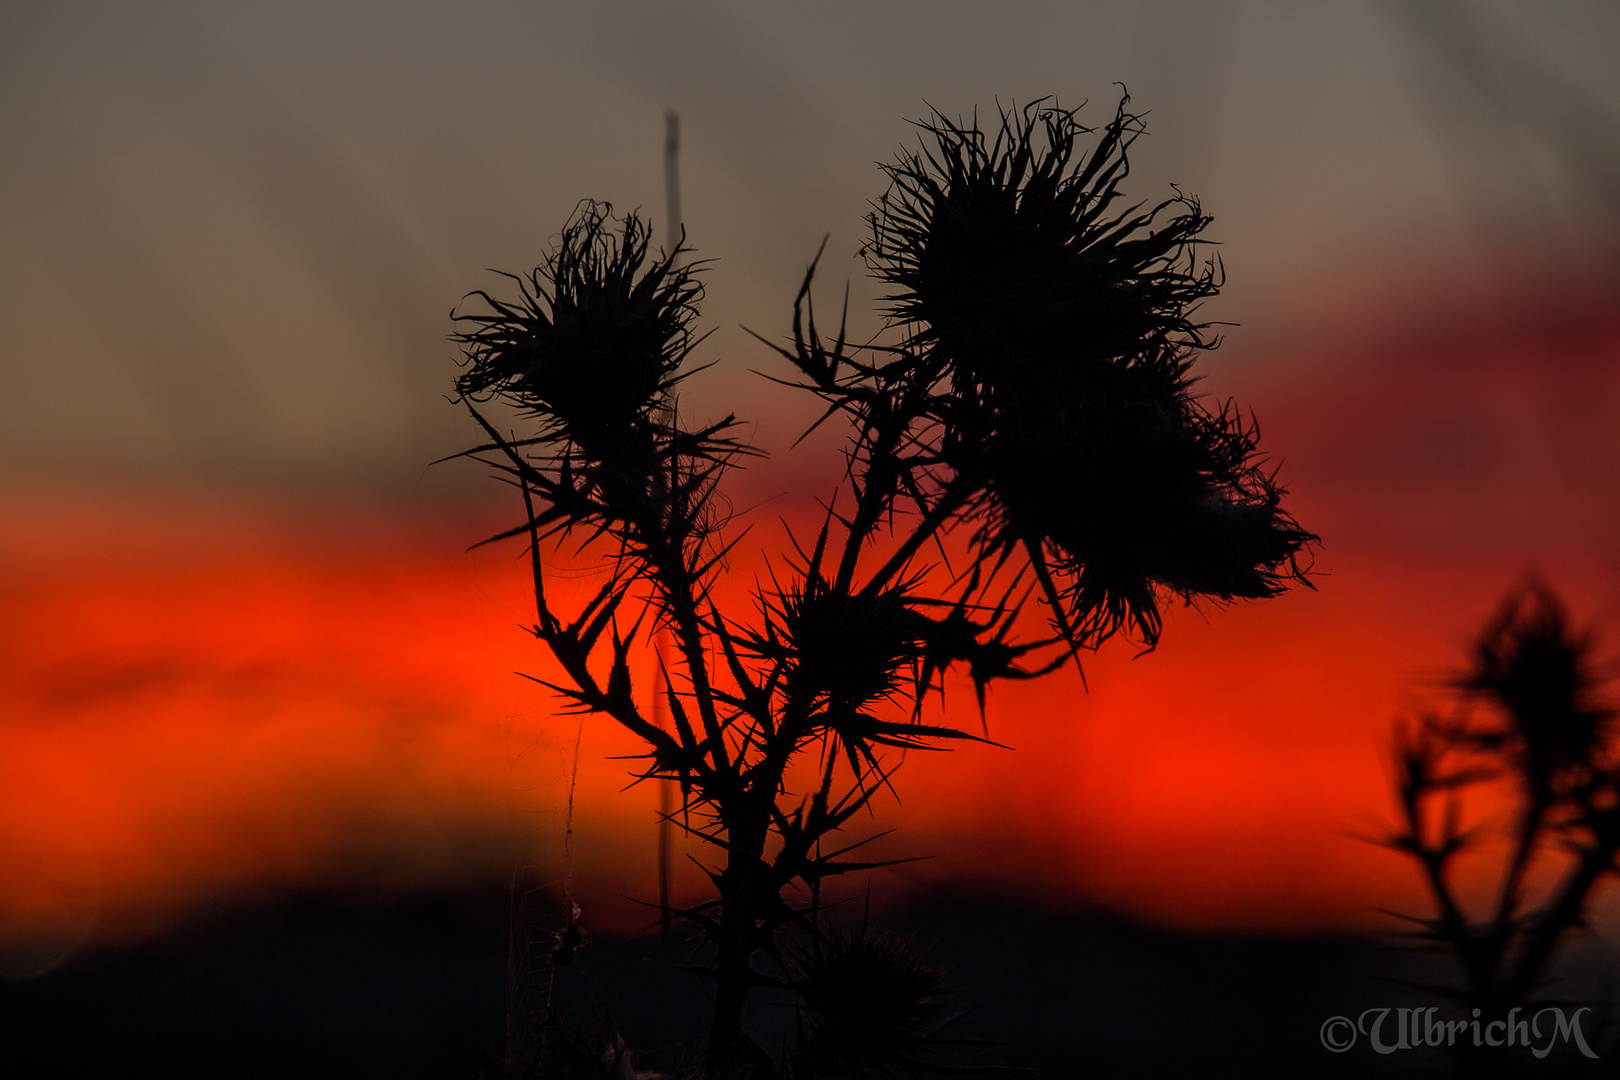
[
  {"x": 743, "y": 800},
  {"x": 870, "y": 508},
  {"x": 677, "y": 586}
]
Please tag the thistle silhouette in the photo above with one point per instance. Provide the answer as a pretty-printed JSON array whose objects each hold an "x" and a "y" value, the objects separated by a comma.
[{"x": 1036, "y": 393}]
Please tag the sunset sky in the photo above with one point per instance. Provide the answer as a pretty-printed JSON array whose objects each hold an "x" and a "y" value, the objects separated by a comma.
[{"x": 243, "y": 646}]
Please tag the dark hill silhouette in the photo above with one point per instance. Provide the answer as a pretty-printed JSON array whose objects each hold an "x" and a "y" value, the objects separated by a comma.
[{"x": 317, "y": 986}]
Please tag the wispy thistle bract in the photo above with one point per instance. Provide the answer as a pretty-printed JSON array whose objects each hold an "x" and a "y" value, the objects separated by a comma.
[{"x": 1059, "y": 327}]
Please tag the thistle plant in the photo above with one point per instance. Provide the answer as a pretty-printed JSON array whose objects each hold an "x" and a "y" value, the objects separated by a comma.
[
  {"x": 1527, "y": 722},
  {"x": 1032, "y": 404}
]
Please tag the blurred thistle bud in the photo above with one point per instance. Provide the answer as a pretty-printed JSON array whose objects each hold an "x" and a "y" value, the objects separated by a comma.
[
  {"x": 1539, "y": 672},
  {"x": 869, "y": 1006},
  {"x": 1058, "y": 329}
]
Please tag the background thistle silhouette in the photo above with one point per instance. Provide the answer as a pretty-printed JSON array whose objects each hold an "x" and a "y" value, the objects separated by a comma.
[
  {"x": 1528, "y": 716},
  {"x": 1036, "y": 394}
]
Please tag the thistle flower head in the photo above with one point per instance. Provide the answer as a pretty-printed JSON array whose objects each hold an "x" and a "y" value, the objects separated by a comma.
[
  {"x": 596, "y": 337},
  {"x": 1014, "y": 263},
  {"x": 1058, "y": 327},
  {"x": 1146, "y": 491}
]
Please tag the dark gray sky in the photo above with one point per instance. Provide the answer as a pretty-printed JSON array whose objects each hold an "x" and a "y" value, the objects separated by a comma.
[{"x": 230, "y": 235}]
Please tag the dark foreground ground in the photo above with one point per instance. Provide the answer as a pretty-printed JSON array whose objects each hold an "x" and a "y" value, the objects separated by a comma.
[{"x": 319, "y": 987}]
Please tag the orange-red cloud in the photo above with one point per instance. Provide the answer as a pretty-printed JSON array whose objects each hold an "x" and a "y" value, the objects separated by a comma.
[{"x": 202, "y": 698}]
